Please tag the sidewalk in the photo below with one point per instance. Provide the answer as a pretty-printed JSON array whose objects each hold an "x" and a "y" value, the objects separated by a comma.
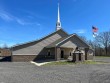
[{"x": 42, "y": 62}]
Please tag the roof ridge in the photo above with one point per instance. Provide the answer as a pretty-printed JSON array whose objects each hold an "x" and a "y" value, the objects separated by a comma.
[
  {"x": 71, "y": 35},
  {"x": 65, "y": 39},
  {"x": 57, "y": 41},
  {"x": 38, "y": 39}
]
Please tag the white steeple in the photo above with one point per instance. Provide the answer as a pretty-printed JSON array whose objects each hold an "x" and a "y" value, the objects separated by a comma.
[{"x": 58, "y": 24}]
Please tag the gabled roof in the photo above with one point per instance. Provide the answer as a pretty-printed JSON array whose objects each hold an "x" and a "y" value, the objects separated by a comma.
[
  {"x": 61, "y": 40},
  {"x": 65, "y": 39},
  {"x": 83, "y": 40},
  {"x": 35, "y": 41},
  {"x": 57, "y": 42}
]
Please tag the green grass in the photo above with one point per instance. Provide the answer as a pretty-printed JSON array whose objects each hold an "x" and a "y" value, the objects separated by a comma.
[
  {"x": 103, "y": 56},
  {"x": 87, "y": 62},
  {"x": 61, "y": 63},
  {"x": 72, "y": 63},
  {"x": 92, "y": 62}
]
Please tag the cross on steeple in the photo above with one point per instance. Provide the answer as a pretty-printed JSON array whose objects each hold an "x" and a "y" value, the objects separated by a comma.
[{"x": 58, "y": 24}]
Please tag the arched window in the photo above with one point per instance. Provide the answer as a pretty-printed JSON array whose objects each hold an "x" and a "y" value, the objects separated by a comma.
[
  {"x": 70, "y": 53},
  {"x": 48, "y": 54}
]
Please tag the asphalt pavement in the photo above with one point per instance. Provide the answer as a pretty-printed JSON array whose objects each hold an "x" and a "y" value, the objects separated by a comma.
[{"x": 23, "y": 72}]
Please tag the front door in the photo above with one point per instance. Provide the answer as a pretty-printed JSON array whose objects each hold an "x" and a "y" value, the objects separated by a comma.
[{"x": 62, "y": 54}]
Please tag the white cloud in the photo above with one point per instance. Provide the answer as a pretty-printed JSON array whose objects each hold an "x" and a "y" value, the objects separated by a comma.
[
  {"x": 80, "y": 31},
  {"x": 9, "y": 17},
  {"x": 21, "y": 22},
  {"x": 5, "y": 16},
  {"x": 25, "y": 22},
  {"x": 33, "y": 15}
]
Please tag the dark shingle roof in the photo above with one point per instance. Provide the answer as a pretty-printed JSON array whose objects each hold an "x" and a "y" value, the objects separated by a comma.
[
  {"x": 59, "y": 41},
  {"x": 56, "y": 42},
  {"x": 35, "y": 41}
]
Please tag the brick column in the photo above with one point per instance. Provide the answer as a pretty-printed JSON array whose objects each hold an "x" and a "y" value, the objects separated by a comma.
[
  {"x": 57, "y": 53},
  {"x": 77, "y": 57},
  {"x": 86, "y": 54}
]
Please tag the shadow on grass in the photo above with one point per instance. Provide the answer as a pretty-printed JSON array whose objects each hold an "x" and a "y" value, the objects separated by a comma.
[{"x": 42, "y": 61}]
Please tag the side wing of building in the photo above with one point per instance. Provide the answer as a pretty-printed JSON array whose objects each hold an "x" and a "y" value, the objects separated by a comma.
[
  {"x": 73, "y": 42},
  {"x": 36, "y": 48}
]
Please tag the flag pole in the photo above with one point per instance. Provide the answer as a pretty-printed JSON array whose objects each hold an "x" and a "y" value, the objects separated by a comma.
[
  {"x": 94, "y": 51},
  {"x": 94, "y": 29},
  {"x": 94, "y": 48}
]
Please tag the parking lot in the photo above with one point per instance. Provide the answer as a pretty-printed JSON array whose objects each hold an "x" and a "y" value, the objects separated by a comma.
[{"x": 21, "y": 72}]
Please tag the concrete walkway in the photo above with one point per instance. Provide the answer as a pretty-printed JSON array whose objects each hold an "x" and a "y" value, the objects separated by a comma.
[
  {"x": 39, "y": 64},
  {"x": 42, "y": 62}
]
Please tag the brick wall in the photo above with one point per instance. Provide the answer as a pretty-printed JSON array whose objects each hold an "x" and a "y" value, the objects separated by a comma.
[
  {"x": 23, "y": 58},
  {"x": 5, "y": 52},
  {"x": 27, "y": 58}
]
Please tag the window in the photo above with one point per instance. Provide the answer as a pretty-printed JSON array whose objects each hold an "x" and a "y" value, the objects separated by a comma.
[
  {"x": 62, "y": 53},
  {"x": 48, "y": 54},
  {"x": 70, "y": 53},
  {"x": 0, "y": 52}
]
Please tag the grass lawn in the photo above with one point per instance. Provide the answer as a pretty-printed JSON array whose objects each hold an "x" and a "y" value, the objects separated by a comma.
[
  {"x": 73, "y": 63},
  {"x": 103, "y": 56}
]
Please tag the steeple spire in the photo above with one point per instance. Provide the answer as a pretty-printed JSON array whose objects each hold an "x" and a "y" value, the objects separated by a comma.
[
  {"x": 58, "y": 14},
  {"x": 58, "y": 24}
]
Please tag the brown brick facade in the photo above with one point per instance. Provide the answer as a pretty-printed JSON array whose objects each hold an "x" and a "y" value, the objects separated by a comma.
[
  {"x": 27, "y": 58},
  {"x": 23, "y": 58},
  {"x": 5, "y": 52}
]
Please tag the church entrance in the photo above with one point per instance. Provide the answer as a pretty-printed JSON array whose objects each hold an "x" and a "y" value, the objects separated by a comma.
[{"x": 62, "y": 54}]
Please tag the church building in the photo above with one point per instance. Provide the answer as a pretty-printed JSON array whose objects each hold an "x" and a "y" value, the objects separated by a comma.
[{"x": 57, "y": 45}]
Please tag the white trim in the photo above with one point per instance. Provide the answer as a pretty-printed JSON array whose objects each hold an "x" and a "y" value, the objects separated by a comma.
[
  {"x": 70, "y": 37},
  {"x": 65, "y": 39},
  {"x": 23, "y": 54}
]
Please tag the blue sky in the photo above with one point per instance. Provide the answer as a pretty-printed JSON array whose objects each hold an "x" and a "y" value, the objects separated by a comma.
[{"x": 26, "y": 20}]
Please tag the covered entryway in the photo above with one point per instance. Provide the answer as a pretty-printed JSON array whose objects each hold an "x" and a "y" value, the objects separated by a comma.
[
  {"x": 64, "y": 47},
  {"x": 63, "y": 53},
  {"x": 59, "y": 53}
]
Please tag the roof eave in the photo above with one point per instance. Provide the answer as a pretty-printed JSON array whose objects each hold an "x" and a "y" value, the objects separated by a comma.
[{"x": 65, "y": 39}]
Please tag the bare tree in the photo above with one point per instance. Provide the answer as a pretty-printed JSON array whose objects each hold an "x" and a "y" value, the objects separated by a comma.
[
  {"x": 89, "y": 42},
  {"x": 84, "y": 38},
  {"x": 5, "y": 46},
  {"x": 103, "y": 39}
]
